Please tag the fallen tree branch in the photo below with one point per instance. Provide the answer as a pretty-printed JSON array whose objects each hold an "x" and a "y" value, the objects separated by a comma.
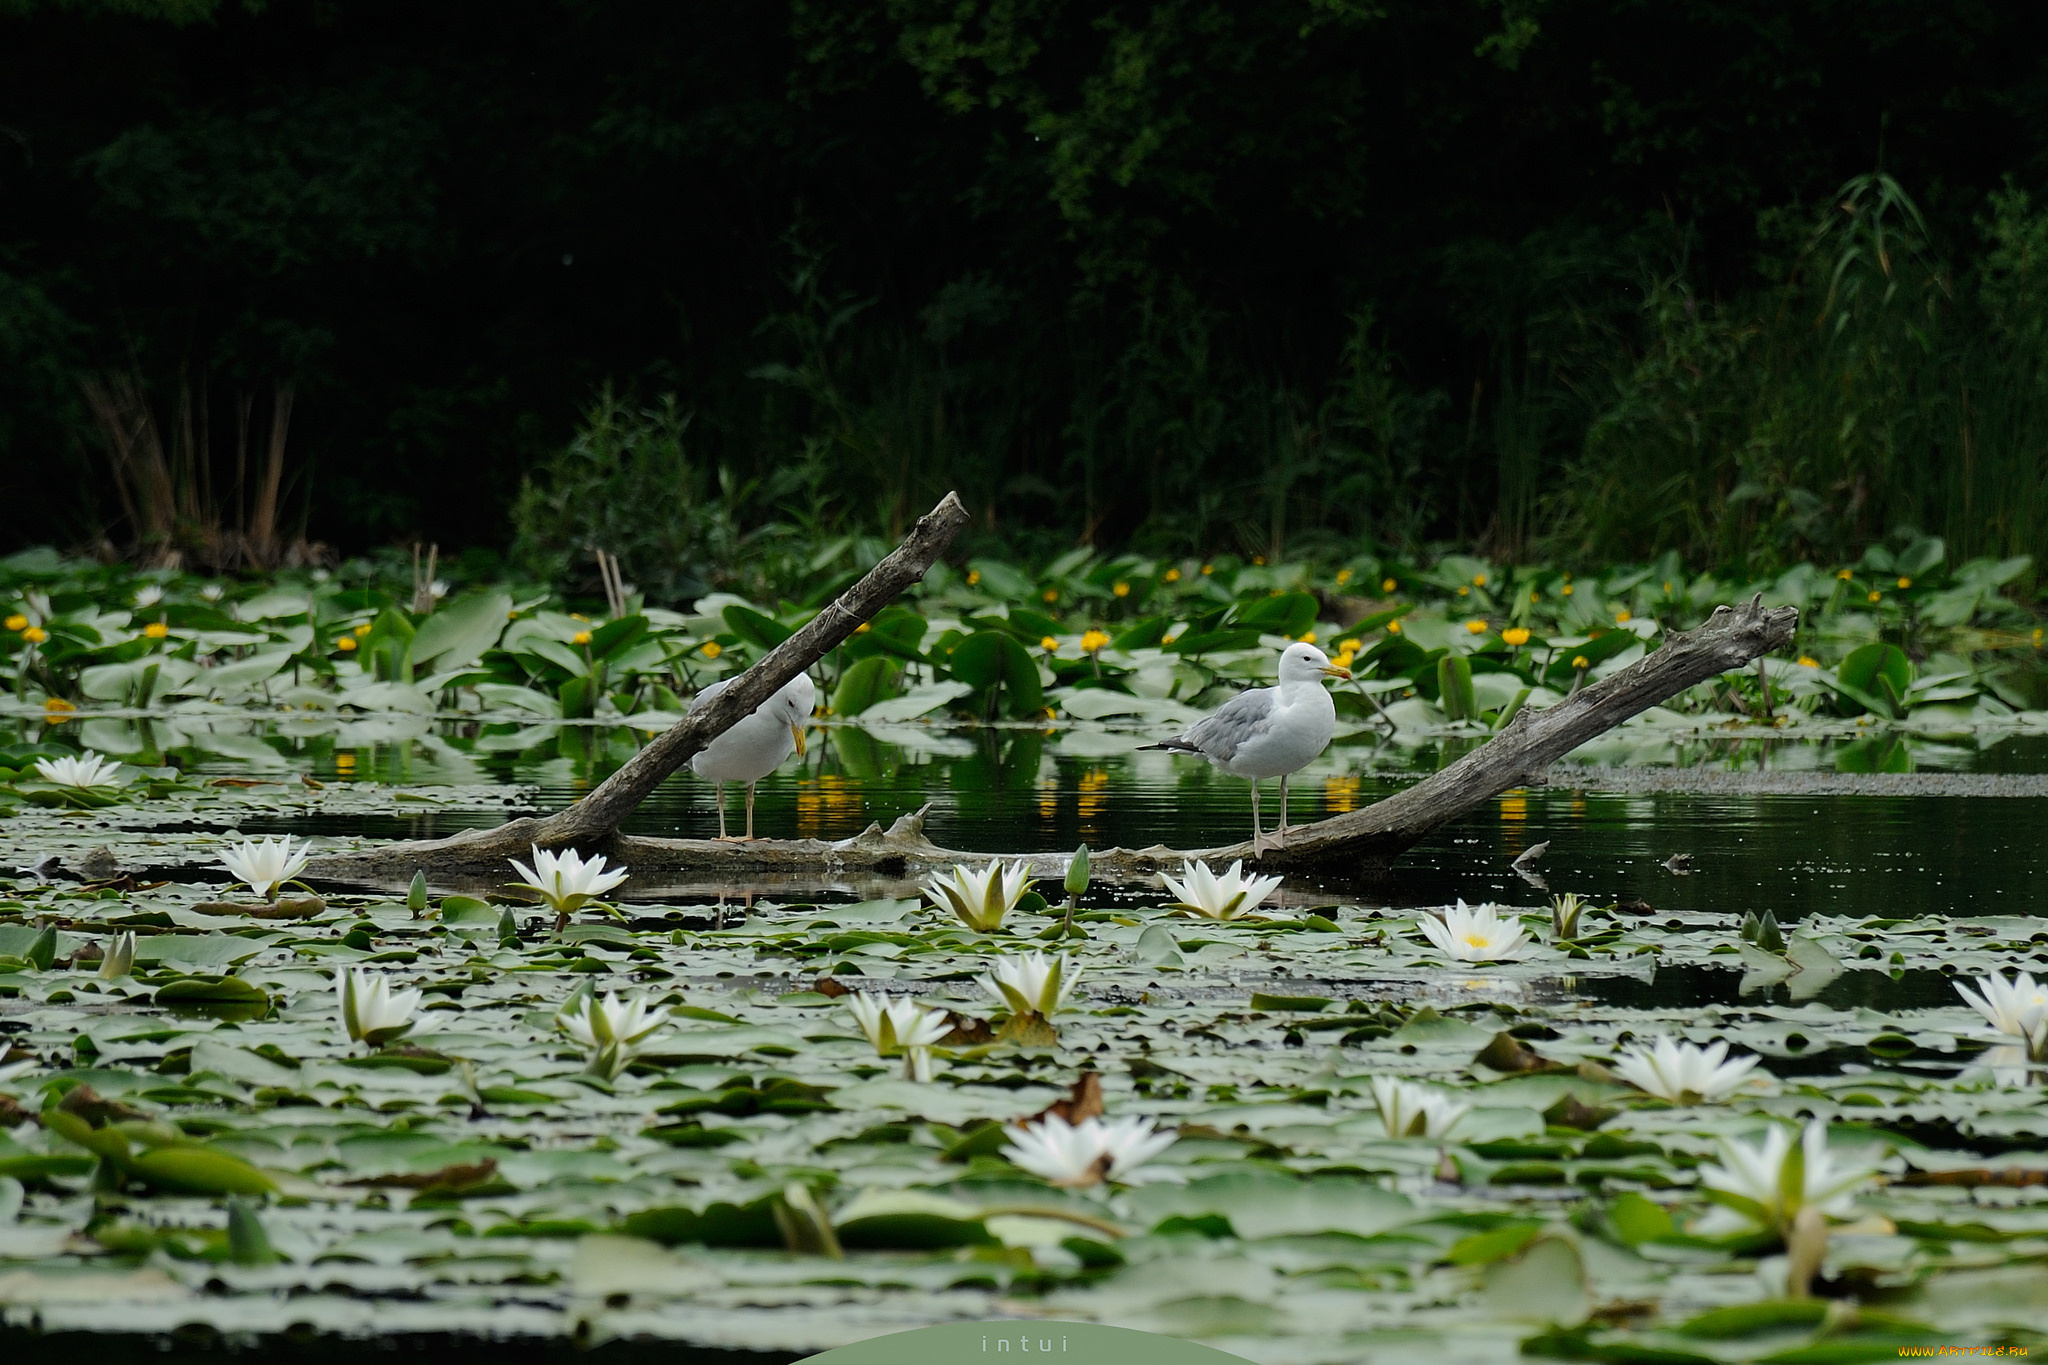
[
  {"x": 593, "y": 821},
  {"x": 1356, "y": 843}
]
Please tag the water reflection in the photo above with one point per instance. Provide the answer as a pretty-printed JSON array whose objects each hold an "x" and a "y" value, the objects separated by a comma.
[{"x": 1015, "y": 788}]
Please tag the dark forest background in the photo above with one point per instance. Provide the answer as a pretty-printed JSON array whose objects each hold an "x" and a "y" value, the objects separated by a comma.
[{"x": 1749, "y": 278}]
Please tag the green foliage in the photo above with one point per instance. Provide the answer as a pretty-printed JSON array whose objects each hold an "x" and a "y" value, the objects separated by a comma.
[
  {"x": 1195, "y": 277},
  {"x": 625, "y": 485}
]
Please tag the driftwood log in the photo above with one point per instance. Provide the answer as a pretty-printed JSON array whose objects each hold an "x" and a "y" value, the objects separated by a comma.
[{"x": 1355, "y": 844}]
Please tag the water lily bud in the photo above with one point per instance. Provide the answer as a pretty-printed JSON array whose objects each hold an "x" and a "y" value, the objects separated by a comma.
[
  {"x": 416, "y": 895},
  {"x": 1077, "y": 872},
  {"x": 120, "y": 958},
  {"x": 248, "y": 1244}
]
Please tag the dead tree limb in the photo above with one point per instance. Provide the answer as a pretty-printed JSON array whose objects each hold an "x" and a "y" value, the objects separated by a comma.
[
  {"x": 1357, "y": 843},
  {"x": 592, "y": 821}
]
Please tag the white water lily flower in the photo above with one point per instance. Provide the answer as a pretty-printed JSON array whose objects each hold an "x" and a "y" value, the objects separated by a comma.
[
  {"x": 266, "y": 865},
  {"x": 85, "y": 772},
  {"x": 901, "y": 1026},
  {"x": 980, "y": 899},
  {"x": 1476, "y": 934},
  {"x": 120, "y": 957},
  {"x": 1765, "y": 1185},
  {"x": 566, "y": 880},
  {"x": 1031, "y": 983},
  {"x": 149, "y": 594},
  {"x": 2018, "y": 1006},
  {"x": 1683, "y": 1073},
  {"x": 373, "y": 1013},
  {"x": 1411, "y": 1110},
  {"x": 1204, "y": 893},
  {"x": 613, "y": 1031},
  {"x": 1089, "y": 1152}
]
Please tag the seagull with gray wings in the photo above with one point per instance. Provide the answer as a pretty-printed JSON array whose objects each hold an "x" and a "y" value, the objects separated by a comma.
[
  {"x": 1269, "y": 731},
  {"x": 756, "y": 744}
]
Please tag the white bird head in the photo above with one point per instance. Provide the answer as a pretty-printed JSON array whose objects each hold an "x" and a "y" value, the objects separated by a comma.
[
  {"x": 793, "y": 706},
  {"x": 1303, "y": 662}
]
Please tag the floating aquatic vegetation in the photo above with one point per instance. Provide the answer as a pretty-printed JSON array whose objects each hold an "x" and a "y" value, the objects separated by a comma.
[
  {"x": 86, "y": 772},
  {"x": 119, "y": 960},
  {"x": 1765, "y": 1184},
  {"x": 612, "y": 1031},
  {"x": 373, "y": 1013},
  {"x": 1683, "y": 1073},
  {"x": 901, "y": 1027},
  {"x": 2017, "y": 1007},
  {"x": 1565, "y": 912},
  {"x": 1475, "y": 934},
  {"x": 981, "y": 899},
  {"x": 1411, "y": 1110},
  {"x": 1203, "y": 893},
  {"x": 567, "y": 880},
  {"x": 1030, "y": 983},
  {"x": 1092, "y": 1152},
  {"x": 265, "y": 865}
]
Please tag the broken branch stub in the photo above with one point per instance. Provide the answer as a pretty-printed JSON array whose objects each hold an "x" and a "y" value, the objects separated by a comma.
[{"x": 596, "y": 818}]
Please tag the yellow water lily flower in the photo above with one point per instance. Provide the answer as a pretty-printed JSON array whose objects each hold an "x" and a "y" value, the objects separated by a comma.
[{"x": 1516, "y": 636}]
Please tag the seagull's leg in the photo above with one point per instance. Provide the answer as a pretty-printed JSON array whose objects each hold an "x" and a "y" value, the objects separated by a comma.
[
  {"x": 723, "y": 837},
  {"x": 1260, "y": 843},
  {"x": 1280, "y": 830}
]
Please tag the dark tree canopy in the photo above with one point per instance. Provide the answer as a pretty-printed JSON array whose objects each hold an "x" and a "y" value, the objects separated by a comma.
[{"x": 1185, "y": 272}]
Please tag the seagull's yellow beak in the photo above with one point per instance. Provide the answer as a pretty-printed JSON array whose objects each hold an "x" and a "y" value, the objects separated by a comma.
[
  {"x": 798, "y": 731},
  {"x": 1332, "y": 671}
]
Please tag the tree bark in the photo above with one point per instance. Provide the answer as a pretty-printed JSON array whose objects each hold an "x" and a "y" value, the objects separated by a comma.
[
  {"x": 1358, "y": 843},
  {"x": 595, "y": 819}
]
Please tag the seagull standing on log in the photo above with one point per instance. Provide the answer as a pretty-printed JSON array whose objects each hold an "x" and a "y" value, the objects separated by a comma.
[
  {"x": 756, "y": 744},
  {"x": 1269, "y": 731}
]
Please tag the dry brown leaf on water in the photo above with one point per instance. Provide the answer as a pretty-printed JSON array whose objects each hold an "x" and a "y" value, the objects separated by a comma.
[
  {"x": 1083, "y": 1101},
  {"x": 456, "y": 1177}
]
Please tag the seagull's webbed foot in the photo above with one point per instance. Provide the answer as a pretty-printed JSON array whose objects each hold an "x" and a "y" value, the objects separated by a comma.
[{"x": 1265, "y": 843}]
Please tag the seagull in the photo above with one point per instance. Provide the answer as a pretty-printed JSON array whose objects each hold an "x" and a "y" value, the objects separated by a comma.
[
  {"x": 1269, "y": 731},
  {"x": 756, "y": 744}
]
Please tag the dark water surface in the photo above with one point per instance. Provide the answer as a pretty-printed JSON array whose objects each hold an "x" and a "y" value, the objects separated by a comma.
[{"x": 1015, "y": 790}]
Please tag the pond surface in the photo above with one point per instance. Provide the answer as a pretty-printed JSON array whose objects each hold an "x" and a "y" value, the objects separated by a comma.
[
  {"x": 1798, "y": 853},
  {"x": 491, "y": 1182}
]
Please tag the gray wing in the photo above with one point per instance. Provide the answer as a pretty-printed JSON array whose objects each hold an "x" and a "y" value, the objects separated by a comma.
[
  {"x": 1236, "y": 723},
  {"x": 708, "y": 693}
]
